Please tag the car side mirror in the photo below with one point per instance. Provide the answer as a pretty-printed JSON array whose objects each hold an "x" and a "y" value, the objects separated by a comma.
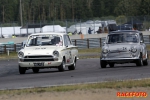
[
  {"x": 66, "y": 46},
  {"x": 22, "y": 47},
  {"x": 141, "y": 41},
  {"x": 103, "y": 43}
]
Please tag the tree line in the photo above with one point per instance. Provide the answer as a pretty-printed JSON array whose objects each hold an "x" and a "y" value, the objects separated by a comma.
[{"x": 35, "y": 10}]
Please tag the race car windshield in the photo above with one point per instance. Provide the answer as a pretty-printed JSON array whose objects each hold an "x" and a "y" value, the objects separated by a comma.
[
  {"x": 43, "y": 40},
  {"x": 122, "y": 38}
]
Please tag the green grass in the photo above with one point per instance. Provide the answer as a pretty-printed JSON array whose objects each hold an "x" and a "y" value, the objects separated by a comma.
[
  {"x": 90, "y": 50},
  {"x": 148, "y": 47},
  {"x": 6, "y": 56},
  {"x": 109, "y": 85}
]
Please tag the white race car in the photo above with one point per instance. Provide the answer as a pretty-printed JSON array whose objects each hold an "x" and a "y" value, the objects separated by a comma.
[{"x": 47, "y": 50}]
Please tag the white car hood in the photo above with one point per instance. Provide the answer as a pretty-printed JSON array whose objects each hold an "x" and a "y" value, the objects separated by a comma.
[{"x": 40, "y": 50}]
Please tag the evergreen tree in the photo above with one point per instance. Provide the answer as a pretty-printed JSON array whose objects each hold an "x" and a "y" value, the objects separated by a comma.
[{"x": 43, "y": 10}]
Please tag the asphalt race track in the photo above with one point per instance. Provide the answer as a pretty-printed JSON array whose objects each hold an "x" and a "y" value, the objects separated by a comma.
[{"x": 87, "y": 70}]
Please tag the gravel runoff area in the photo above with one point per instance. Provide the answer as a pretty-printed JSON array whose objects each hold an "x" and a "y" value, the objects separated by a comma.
[{"x": 93, "y": 94}]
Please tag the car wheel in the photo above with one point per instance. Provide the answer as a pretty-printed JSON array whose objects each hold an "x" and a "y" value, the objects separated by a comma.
[
  {"x": 22, "y": 70},
  {"x": 62, "y": 66},
  {"x": 111, "y": 65},
  {"x": 73, "y": 66},
  {"x": 103, "y": 64},
  {"x": 139, "y": 62},
  {"x": 145, "y": 62},
  {"x": 35, "y": 70}
]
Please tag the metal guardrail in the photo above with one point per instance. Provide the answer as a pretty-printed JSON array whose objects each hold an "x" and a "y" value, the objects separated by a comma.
[
  {"x": 81, "y": 43},
  {"x": 88, "y": 43},
  {"x": 10, "y": 47}
]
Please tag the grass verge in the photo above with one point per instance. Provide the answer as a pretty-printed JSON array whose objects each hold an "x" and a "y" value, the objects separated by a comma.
[
  {"x": 90, "y": 50},
  {"x": 109, "y": 85},
  {"x": 6, "y": 56}
]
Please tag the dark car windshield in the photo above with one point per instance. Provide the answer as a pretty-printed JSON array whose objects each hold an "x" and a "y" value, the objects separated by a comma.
[{"x": 122, "y": 38}]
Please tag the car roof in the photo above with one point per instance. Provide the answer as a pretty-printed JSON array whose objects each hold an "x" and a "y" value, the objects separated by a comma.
[
  {"x": 124, "y": 31},
  {"x": 46, "y": 33}
]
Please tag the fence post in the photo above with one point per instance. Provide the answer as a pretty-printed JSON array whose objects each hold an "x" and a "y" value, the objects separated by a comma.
[
  {"x": 5, "y": 49},
  {"x": 100, "y": 41},
  {"x": 88, "y": 43},
  {"x": 149, "y": 39},
  {"x": 75, "y": 42},
  {"x": 15, "y": 47}
]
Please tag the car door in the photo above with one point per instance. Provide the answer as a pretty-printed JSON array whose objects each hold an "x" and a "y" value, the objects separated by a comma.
[
  {"x": 143, "y": 46},
  {"x": 68, "y": 49},
  {"x": 74, "y": 50}
]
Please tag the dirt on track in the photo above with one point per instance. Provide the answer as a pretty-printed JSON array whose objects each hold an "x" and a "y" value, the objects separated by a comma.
[{"x": 93, "y": 94}]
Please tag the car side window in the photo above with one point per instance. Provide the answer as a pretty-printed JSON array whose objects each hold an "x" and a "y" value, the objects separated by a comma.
[{"x": 67, "y": 40}]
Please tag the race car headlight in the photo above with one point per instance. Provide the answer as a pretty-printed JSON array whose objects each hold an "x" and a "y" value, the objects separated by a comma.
[
  {"x": 133, "y": 49},
  {"x": 20, "y": 54},
  {"x": 56, "y": 53},
  {"x": 105, "y": 51}
]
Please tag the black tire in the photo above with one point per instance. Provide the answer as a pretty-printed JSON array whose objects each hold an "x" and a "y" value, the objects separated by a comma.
[
  {"x": 35, "y": 70},
  {"x": 111, "y": 65},
  {"x": 145, "y": 62},
  {"x": 22, "y": 70},
  {"x": 139, "y": 62},
  {"x": 103, "y": 64},
  {"x": 73, "y": 66},
  {"x": 61, "y": 68}
]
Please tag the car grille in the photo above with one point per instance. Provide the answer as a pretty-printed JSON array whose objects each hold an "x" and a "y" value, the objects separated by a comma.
[
  {"x": 38, "y": 58},
  {"x": 119, "y": 54}
]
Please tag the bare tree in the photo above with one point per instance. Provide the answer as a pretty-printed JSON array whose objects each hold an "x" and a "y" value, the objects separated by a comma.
[{"x": 3, "y": 13}]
